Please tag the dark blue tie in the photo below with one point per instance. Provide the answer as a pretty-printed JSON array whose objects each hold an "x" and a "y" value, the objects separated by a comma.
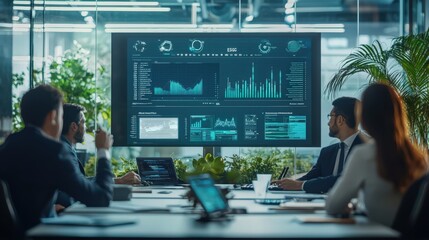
[{"x": 341, "y": 161}]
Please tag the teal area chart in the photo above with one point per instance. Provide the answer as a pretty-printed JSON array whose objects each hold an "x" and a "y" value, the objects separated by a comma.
[{"x": 184, "y": 79}]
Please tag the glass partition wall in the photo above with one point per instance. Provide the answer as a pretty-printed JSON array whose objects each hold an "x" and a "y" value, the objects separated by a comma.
[{"x": 69, "y": 42}]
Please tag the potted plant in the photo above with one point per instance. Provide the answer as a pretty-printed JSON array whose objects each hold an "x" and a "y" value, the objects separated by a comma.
[
  {"x": 243, "y": 168},
  {"x": 271, "y": 161},
  {"x": 181, "y": 169},
  {"x": 71, "y": 75},
  {"x": 120, "y": 166},
  {"x": 404, "y": 66},
  {"x": 215, "y": 166}
]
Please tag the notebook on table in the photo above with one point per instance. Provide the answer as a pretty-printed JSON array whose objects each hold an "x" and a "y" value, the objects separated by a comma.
[{"x": 157, "y": 170}]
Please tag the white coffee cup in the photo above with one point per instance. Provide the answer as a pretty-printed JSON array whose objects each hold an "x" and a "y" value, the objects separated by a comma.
[
  {"x": 260, "y": 188},
  {"x": 264, "y": 177}
]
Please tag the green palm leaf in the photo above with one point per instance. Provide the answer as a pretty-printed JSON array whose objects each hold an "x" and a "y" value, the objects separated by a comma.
[
  {"x": 404, "y": 66},
  {"x": 370, "y": 59}
]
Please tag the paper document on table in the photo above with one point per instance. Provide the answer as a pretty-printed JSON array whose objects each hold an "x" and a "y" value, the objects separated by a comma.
[
  {"x": 141, "y": 190},
  {"x": 116, "y": 207},
  {"x": 306, "y": 196},
  {"x": 137, "y": 208},
  {"x": 300, "y": 206},
  {"x": 76, "y": 220},
  {"x": 325, "y": 219}
]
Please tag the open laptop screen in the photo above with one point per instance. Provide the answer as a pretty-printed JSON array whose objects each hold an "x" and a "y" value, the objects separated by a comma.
[{"x": 158, "y": 170}]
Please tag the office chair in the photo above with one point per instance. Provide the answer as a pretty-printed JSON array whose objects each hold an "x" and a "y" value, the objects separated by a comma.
[
  {"x": 412, "y": 219},
  {"x": 9, "y": 227}
]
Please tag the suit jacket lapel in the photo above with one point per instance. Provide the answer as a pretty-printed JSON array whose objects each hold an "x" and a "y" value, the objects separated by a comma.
[
  {"x": 332, "y": 159},
  {"x": 81, "y": 168},
  {"x": 357, "y": 141}
]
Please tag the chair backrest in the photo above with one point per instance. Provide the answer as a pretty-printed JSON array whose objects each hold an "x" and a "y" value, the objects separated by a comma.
[
  {"x": 419, "y": 218},
  {"x": 9, "y": 227},
  {"x": 412, "y": 219}
]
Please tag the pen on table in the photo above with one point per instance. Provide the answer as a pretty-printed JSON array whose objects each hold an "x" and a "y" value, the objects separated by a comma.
[
  {"x": 281, "y": 174},
  {"x": 284, "y": 172}
]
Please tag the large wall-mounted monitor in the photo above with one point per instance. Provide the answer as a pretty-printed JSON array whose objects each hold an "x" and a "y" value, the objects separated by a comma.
[{"x": 216, "y": 89}]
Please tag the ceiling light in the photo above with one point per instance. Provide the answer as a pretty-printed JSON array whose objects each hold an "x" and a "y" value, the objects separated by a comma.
[
  {"x": 334, "y": 28},
  {"x": 6, "y": 25},
  {"x": 249, "y": 18},
  {"x": 167, "y": 30},
  {"x": 290, "y": 3},
  {"x": 289, "y": 10},
  {"x": 149, "y": 25},
  {"x": 100, "y": 9},
  {"x": 88, "y": 3},
  {"x": 290, "y": 19},
  {"x": 89, "y": 19},
  {"x": 54, "y": 27}
]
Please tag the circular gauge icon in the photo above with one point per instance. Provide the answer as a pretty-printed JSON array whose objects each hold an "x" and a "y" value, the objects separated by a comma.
[
  {"x": 293, "y": 46},
  {"x": 264, "y": 46},
  {"x": 166, "y": 46},
  {"x": 139, "y": 46},
  {"x": 196, "y": 46}
]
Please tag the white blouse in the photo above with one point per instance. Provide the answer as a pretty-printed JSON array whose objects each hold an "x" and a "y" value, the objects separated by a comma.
[{"x": 360, "y": 173}]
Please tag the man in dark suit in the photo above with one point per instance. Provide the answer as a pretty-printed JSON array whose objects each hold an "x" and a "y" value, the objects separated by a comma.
[
  {"x": 35, "y": 164},
  {"x": 73, "y": 132},
  {"x": 342, "y": 125}
]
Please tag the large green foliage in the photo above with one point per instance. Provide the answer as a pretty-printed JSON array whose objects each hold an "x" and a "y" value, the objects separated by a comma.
[
  {"x": 404, "y": 66},
  {"x": 270, "y": 161},
  {"x": 215, "y": 166},
  {"x": 71, "y": 75},
  {"x": 244, "y": 168},
  {"x": 236, "y": 169},
  {"x": 120, "y": 166},
  {"x": 17, "y": 81},
  {"x": 181, "y": 169}
]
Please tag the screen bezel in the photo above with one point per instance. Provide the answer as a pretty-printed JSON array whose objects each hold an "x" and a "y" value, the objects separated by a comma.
[{"x": 119, "y": 91}]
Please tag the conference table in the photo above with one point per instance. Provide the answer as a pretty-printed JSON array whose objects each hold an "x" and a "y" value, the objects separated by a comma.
[{"x": 163, "y": 212}]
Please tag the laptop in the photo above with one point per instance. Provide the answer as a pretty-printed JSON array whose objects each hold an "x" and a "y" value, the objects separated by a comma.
[
  {"x": 210, "y": 197},
  {"x": 157, "y": 170}
]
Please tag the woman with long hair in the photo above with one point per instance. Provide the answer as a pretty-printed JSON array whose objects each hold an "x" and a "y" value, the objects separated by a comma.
[{"x": 384, "y": 167}]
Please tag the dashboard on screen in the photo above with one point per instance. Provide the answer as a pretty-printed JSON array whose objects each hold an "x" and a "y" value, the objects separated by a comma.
[{"x": 216, "y": 89}]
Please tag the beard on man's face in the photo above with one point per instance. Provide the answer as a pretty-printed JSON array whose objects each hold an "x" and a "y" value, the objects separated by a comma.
[
  {"x": 333, "y": 131},
  {"x": 79, "y": 136}
]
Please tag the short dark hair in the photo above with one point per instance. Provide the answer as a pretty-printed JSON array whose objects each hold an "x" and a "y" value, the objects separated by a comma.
[
  {"x": 71, "y": 114},
  {"x": 345, "y": 106},
  {"x": 38, "y": 102}
]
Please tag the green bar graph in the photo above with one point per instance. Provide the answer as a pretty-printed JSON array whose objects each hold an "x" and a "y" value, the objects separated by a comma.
[{"x": 265, "y": 89}]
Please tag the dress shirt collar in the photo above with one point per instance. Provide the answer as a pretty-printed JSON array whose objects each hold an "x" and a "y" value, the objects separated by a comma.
[
  {"x": 40, "y": 130},
  {"x": 349, "y": 141},
  {"x": 65, "y": 140},
  {"x": 67, "y": 143}
]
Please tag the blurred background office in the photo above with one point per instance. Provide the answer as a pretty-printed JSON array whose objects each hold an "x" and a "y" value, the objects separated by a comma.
[{"x": 45, "y": 40}]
